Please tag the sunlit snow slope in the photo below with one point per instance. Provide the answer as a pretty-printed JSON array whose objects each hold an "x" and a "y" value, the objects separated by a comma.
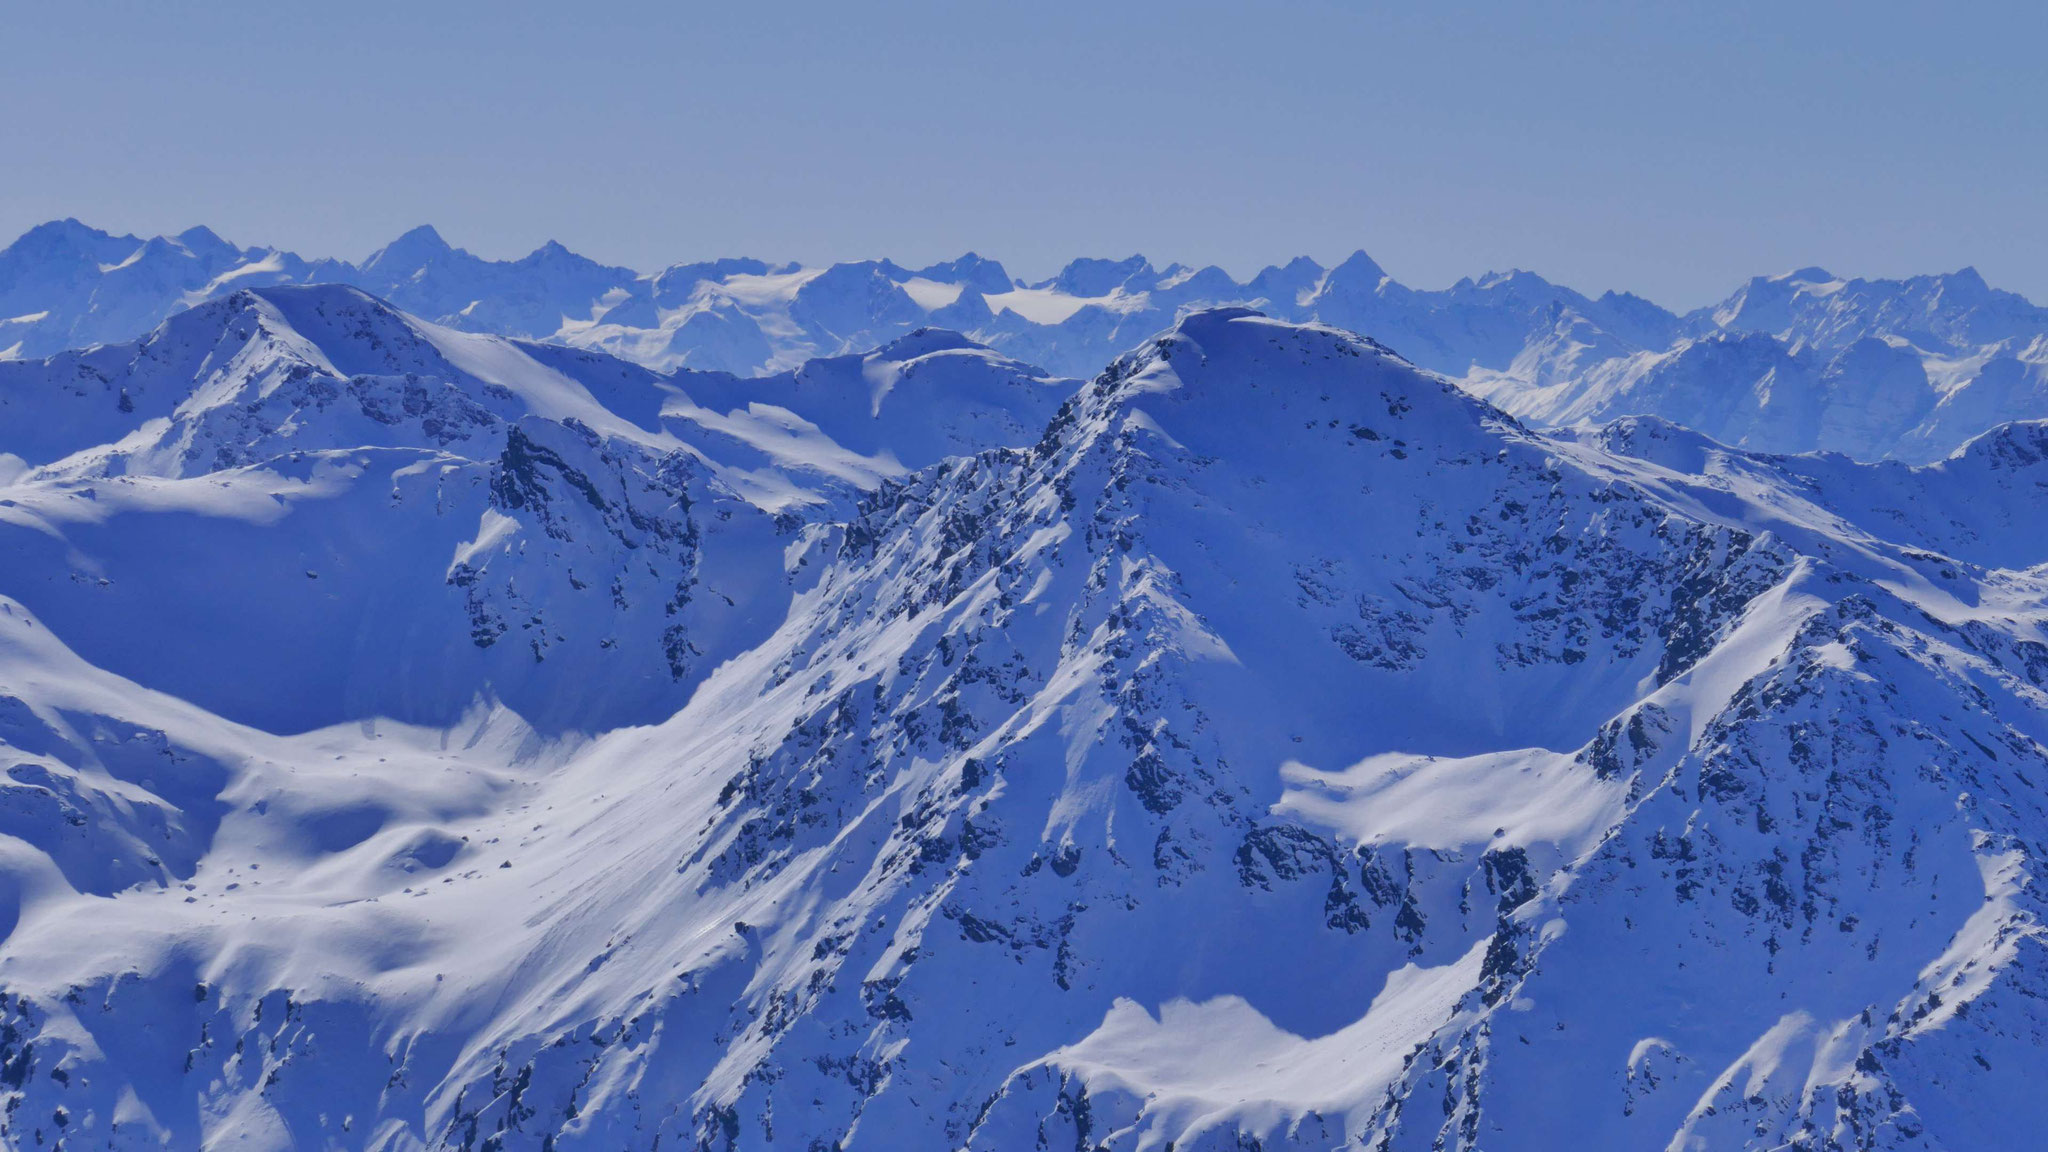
[{"x": 419, "y": 739}]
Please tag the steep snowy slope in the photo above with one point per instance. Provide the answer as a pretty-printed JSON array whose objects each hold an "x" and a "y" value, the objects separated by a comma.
[{"x": 1281, "y": 749}]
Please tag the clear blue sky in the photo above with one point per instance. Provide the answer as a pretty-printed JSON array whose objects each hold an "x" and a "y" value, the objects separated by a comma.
[{"x": 1664, "y": 148}]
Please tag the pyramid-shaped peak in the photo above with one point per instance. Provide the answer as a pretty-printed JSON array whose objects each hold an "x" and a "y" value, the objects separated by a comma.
[
  {"x": 201, "y": 240},
  {"x": 1967, "y": 277},
  {"x": 1359, "y": 268},
  {"x": 422, "y": 235},
  {"x": 416, "y": 246}
]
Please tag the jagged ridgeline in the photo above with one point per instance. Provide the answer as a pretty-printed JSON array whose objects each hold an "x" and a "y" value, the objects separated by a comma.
[
  {"x": 430, "y": 740},
  {"x": 1908, "y": 369}
]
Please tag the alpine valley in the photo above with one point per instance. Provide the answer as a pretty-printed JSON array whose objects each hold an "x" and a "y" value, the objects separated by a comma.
[{"x": 448, "y": 704}]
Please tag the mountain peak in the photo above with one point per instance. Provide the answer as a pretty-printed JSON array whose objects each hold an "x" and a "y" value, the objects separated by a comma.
[
  {"x": 557, "y": 257},
  {"x": 1093, "y": 276},
  {"x": 422, "y": 234},
  {"x": 1359, "y": 274},
  {"x": 1211, "y": 320},
  {"x": 1514, "y": 279},
  {"x": 203, "y": 241},
  {"x": 925, "y": 342},
  {"x": 416, "y": 246},
  {"x": 1228, "y": 356},
  {"x": 1968, "y": 277},
  {"x": 1283, "y": 285},
  {"x": 971, "y": 269},
  {"x": 2013, "y": 445},
  {"x": 68, "y": 234},
  {"x": 68, "y": 227}
]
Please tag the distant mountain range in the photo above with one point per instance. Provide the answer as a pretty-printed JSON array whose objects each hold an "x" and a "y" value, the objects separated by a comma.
[{"x": 1908, "y": 369}]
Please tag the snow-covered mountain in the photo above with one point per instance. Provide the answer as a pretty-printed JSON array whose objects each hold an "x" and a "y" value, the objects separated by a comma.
[
  {"x": 1908, "y": 369},
  {"x": 1900, "y": 369},
  {"x": 423, "y": 739},
  {"x": 68, "y": 285},
  {"x": 65, "y": 285},
  {"x": 413, "y": 481}
]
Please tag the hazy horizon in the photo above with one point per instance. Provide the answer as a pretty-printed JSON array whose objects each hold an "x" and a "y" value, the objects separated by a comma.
[{"x": 1671, "y": 155}]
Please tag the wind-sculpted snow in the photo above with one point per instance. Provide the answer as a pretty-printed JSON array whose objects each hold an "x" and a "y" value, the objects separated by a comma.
[{"x": 1274, "y": 746}]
